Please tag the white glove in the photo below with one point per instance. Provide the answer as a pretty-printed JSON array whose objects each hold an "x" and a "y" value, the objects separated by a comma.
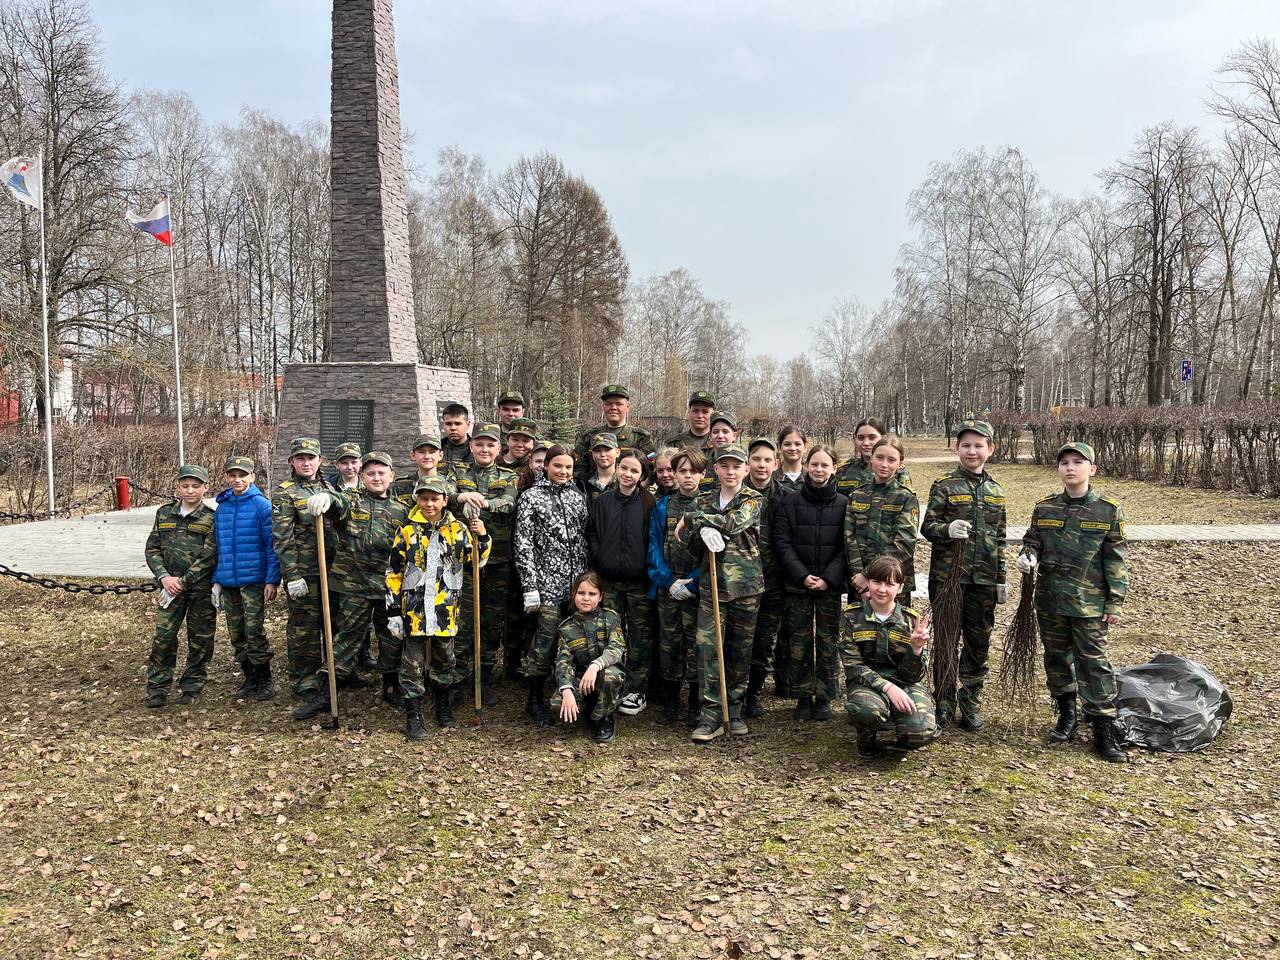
[
  {"x": 319, "y": 503},
  {"x": 470, "y": 511},
  {"x": 679, "y": 590},
  {"x": 1002, "y": 593},
  {"x": 713, "y": 539},
  {"x": 297, "y": 588},
  {"x": 395, "y": 627},
  {"x": 216, "y": 596},
  {"x": 532, "y": 601},
  {"x": 1027, "y": 562},
  {"x": 166, "y": 598},
  {"x": 959, "y": 529}
]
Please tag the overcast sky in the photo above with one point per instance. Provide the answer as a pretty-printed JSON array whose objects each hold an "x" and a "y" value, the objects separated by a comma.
[{"x": 768, "y": 147}]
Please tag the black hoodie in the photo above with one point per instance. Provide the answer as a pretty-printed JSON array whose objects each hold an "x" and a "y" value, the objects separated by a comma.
[{"x": 619, "y": 536}]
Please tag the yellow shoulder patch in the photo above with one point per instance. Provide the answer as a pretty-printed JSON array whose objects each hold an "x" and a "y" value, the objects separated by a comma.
[
  {"x": 911, "y": 610},
  {"x": 1047, "y": 499},
  {"x": 945, "y": 476},
  {"x": 286, "y": 484},
  {"x": 1109, "y": 500}
]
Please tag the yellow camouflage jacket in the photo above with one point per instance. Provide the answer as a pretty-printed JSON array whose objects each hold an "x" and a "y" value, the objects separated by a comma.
[{"x": 424, "y": 573}]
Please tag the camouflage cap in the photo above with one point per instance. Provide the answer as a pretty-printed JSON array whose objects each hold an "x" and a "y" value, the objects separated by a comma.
[
  {"x": 762, "y": 442},
  {"x": 377, "y": 456},
  {"x": 614, "y": 390},
  {"x": 523, "y": 426},
  {"x": 544, "y": 445},
  {"x": 609, "y": 440},
  {"x": 511, "y": 396},
  {"x": 701, "y": 396},
  {"x": 243, "y": 464},
  {"x": 194, "y": 471},
  {"x": 724, "y": 416},
  {"x": 980, "y": 427},
  {"x": 427, "y": 440},
  {"x": 346, "y": 450},
  {"x": 304, "y": 445},
  {"x": 431, "y": 485},
  {"x": 490, "y": 431},
  {"x": 1077, "y": 446},
  {"x": 733, "y": 451}
]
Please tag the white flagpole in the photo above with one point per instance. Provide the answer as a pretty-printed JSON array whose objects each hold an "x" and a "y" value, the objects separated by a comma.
[
  {"x": 44, "y": 319},
  {"x": 177, "y": 362}
]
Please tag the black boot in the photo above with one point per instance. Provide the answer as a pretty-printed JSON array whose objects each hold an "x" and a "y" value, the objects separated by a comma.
[
  {"x": 605, "y": 729},
  {"x": 971, "y": 720},
  {"x": 318, "y": 704},
  {"x": 1105, "y": 742},
  {"x": 414, "y": 729},
  {"x": 250, "y": 685},
  {"x": 1065, "y": 728},
  {"x": 821, "y": 709},
  {"x": 535, "y": 707},
  {"x": 265, "y": 688},
  {"x": 755, "y": 684},
  {"x": 487, "y": 697},
  {"x": 365, "y": 661},
  {"x": 695, "y": 706},
  {"x": 670, "y": 704},
  {"x": 946, "y": 709},
  {"x": 391, "y": 691},
  {"x": 444, "y": 709},
  {"x": 804, "y": 709}
]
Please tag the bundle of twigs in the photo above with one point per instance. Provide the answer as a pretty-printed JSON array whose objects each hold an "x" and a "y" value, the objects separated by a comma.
[
  {"x": 1017, "y": 677},
  {"x": 946, "y": 614}
]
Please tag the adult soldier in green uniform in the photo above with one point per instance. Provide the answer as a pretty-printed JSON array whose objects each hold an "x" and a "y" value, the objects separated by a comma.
[
  {"x": 1077, "y": 541},
  {"x": 487, "y": 491},
  {"x": 762, "y": 463},
  {"x": 967, "y": 506},
  {"x": 427, "y": 454},
  {"x": 367, "y": 520},
  {"x": 697, "y": 435},
  {"x": 518, "y": 439},
  {"x": 178, "y": 556},
  {"x": 510, "y": 408},
  {"x": 615, "y": 405},
  {"x": 293, "y": 533}
]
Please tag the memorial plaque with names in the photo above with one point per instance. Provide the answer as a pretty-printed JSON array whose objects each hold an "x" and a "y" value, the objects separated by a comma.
[{"x": 343, "y": 421}]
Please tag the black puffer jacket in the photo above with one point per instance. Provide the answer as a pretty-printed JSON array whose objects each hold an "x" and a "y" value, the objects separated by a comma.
[
  {"x": 619, "y": 536},
  {"x": 808, "y": 534}
]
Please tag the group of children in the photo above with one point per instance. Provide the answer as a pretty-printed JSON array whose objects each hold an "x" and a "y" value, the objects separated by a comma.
[{"x": 596, "y": 565}]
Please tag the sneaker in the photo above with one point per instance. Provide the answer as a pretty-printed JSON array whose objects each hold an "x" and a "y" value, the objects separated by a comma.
[
  {"x": 706, "y": 731},
  {"x": 606, "y": 727},
  {"x": 188, "y": 697},
  {"x": 632, "y": 704},
  {"x": 738, "y": 727},
  {"x": 157, "y": 700}
]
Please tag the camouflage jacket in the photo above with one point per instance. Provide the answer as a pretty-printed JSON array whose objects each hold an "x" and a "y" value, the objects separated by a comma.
[
  {"x": 740, "y": 572},
  {"x": 687, "y": 441},
  {"x": 424, "y": 573},
  {"x": 769, "y": 565},
  {"x": 882, "y": 519},
  {"x": 1080, "y": 543},
  {"x": 589, "y": 484},
  {"x": 787, "y": 483},
  {"x": 628, "y": 436},
  {"x": 587, "y": 638},
  {"x": 402, "y": 488},
  {"x": 454, "y": 454},
  {"x": 181, "y": 546},
  {"x": 855, "y": 472},
  {"x": 498, "y": 486},
  {"x": 366, "y": 526},
  {"x": 876, "y": 652},
  {"x": 293, "y": 528},
  {"x": 676, "y": 555},
  {"x": 961, "y": 495}
]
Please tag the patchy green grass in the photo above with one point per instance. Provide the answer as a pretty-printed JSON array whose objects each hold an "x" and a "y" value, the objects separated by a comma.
[{"x": 226, "y": 831}]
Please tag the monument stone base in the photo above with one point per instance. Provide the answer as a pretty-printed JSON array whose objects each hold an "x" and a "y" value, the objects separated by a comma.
[{"x": 381, "y": 406}]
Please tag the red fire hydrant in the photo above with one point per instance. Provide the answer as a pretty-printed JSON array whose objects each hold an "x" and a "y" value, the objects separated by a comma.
[{"x": 122, "y": 493}]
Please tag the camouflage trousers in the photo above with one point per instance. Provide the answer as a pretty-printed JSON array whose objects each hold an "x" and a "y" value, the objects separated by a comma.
[
  {"x": 519, "y": 625},
  {"x": 246, "y": 611},
  {"x": 678, "y": 639},
  {"x": 1075, "y": 661},
  {"x": 603, "y": 700},
  {"x": 768, "y": 628},
  {"x": 978, "y": 620},
  {"x": 494, "y": 584},
  {"x": 425, "y": 659},
  {"x": 813, "y": 627},
  {"x": 870, "y": 711},
  {"x": 196, "y": 608},
  {"x": 630, "y": 601},
  {"x": 738, "y": 627},
  {"x": 304, "y": 638},
  {"x": 356, "y": 615},
  {"x": 542, "y": 647}
]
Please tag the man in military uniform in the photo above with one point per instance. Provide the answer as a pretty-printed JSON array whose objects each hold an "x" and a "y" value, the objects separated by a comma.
[
  {"x": 510, "y": 407},
  {"x": 427, "y": 454},
  {"x": 293, "y": 532},
  {"x": 367, "y": 520},
  {"x": 697, "y": 436},
  {"x": 517, "y": 443},
  {"x": 488, "y": 491},
  {"x": 1077, "y": 541},
  {"x": 615, "y": 405},
  {"x": 346, "y": 460},
  {"x": 177, "y": 554},
  {"x": 455, "y": 420}
]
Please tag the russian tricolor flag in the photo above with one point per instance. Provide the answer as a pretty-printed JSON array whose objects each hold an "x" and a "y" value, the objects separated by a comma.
[{"x": 156, "y": 222}]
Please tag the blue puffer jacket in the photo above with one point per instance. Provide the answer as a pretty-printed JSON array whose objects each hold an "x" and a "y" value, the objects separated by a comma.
[{"x": 242, "y": 529}]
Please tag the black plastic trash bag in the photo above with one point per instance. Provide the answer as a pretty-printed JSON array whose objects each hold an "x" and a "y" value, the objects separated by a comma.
[{"x": 1171, "y": 704}]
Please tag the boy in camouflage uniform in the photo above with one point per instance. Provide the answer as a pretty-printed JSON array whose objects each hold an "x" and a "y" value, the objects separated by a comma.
[
  {"x": 427, "y": 453},
  {"x": 367, "y": 520},
  {"x": 590, "y": 651},
  {"x": 178, "y": 555},
  {"x": 487, "y": 491},
  {"x": 762, "y": 465},
  {"x": 1077, "y": 540},
  {"x": 293, "y": 532},
  {"x": 510, "y": 409},
  {"x": 346, "y": 462},
  {"x": 697, "y": 435},
  {"x": 967, "y": 506},
  {"x": 517, "y": 443},
  {"x": 615, "y": 404},
  {"x": 455, "y": 420}
]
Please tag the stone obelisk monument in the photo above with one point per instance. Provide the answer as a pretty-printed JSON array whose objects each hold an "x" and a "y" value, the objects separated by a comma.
[{"x": 371, "y": 389}]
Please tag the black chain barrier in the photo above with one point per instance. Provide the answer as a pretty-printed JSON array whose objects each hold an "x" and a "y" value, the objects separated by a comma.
[
  {"x": 107, "y": 491},
  {"x": 70, "y": 586}
]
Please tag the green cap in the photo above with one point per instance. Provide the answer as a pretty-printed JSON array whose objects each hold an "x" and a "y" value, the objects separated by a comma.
[
  {"x": 238, "y": 463},
  {"x": 489, "y": 430},
  {"x": 726, "y": 417},
  {"x": 733, "y": 451},
  {"x": 511, "y": 396},
  {"x": 431, "y": 484},
  {"x": 304, "y": 445},
  {"x": 427, "y": 440},
  {"x": 762, "y": 442},
  {"x": 980, "y": 427},
  {"x": 346, "y": 450},
  {"x": 544, "y": 445},
  {"x": 377, "y": 456},
  {"x": 604, "y": 440},
  {"x": 523, "y": 426},
  {"x": 614, "y": 390},
  {"x": 1077, "y": 446},
  {"x": 701, "y": 396},
  {"x": 194, "y": 471}
]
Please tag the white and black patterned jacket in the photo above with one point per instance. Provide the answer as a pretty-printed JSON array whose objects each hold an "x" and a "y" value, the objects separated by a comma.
[{"x": 550, "y": 539}]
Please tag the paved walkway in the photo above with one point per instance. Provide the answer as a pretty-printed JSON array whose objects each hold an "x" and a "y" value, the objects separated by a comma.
[{"x": 111, "y": 544}]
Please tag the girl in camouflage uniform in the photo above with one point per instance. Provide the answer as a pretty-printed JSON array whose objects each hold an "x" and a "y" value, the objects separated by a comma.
[
  {"x": 590, "y": 653},
  {"x": 883, "y": 519}
]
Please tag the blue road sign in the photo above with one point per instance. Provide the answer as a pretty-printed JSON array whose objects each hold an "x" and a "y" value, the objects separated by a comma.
[{"x": 1186, "y": 371}]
